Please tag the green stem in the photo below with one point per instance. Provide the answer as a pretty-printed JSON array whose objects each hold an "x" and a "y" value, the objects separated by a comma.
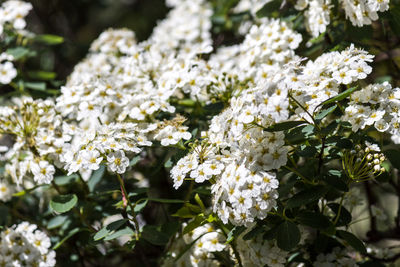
[{"x": 125, "y": 193}]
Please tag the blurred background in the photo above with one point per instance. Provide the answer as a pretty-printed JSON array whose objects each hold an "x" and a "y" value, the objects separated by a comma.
[{"x": 81, "y": 21}]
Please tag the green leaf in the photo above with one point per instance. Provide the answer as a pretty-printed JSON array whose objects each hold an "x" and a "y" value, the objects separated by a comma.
[
  {"x": 394, "y": 157},
  {"x": 70, "y": 234},
  {"x": 253, "y": 233},
  {"x": 196, "y": 222},
  {"x": 234, "y": 233},
  {"x": 140, "y": 205},
  {"x": 394, "y": 21},
  {"x": 56, "y": 222},
  {"x": 95, "y": 178},
  {"x": 335, "y": 179},
  {"x": 63, "y": 203},
  {"x": 3, "y": 215},
  {"x": 339, "y": 97},
  {"x": 109, "y": 229},
  {"x": 284, "y": 126},
  {"x": 39, "y": 86},
  {"x": 119, "y": 233},
  {"x": 151, "y": 234},
  {"x": 134, "y": 161},
  {"x": 344, "y": 217},
  {"x": 49, "y": 39},
  {"x": 42, "y": 75},
  {"x": 306, "y": 196},
  {"x": 18, "y": 52},
  {"x": 313, "y": 219},
  {"x": 64, "y": 179},
  {"x": 288, "y": 235},
  {"x": 323, "y": 113},
  {"x": 184, "y": 212},
  {"x": 166, "y": 200},
  {"x": 352, "y": 240}
]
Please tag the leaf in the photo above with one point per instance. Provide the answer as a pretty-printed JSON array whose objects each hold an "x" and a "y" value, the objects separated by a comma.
[
  {"x": 234, "y": 233},
  {"x": 56, "y": 221},
  {"x": 70, "y": 234},
  {"x": 119, "y": 233},
  {"x": 335, "y": 179},
  {"x": 394, "y": 157},
  {"x": 394, "y": 20},
  {"x": 39, "y": 86},
  {"x": 107, "y": 230},
  {"x": 352, "y": 240},
  {"x": 282, "y": 126},
  {"x": 345, "y": 216},
  {"x": 313, "y": 219},
  {"x": 196, "y": 222},
  {"x": 63, "y": 203},
  {"x": 140, "y": 205},
  {"x": 64, "y": 179},
  {"x": 42, "y": 75},
  {"x": 339, "y": 97},
  {"x": 253, "y": 233},
  {"x": 18, "y": 52},
  {"x": 306, "y": 196},
  {"x": 151, "y": 234},
  {"x": 166, "y": 200},
  {"x": 323, "y": 113},
  {"x": 49, "y": 39},
  {"x": 134, "y": 161},
  {"x": 3, "y": 215},
  {"x": 199, "y": 202},
  {"x": 95, "y": 178},
  {"x": 288, "y": 235},
  {"x": 184, "y": 212}
]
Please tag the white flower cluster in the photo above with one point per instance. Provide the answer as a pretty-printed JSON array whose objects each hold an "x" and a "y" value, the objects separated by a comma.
[
  {"x": 25, "y": 245},
  {"x": 322, "y": 78},
  {"x": 360, "y": 12},
  {"x": 105, "y": 144},
  {"x": 237, "y": 153},
  {"x": 7, "y": 69},
  {"x": 338, "y": 257},
  {"x": 377, "y": 105},
  {"x": 317, "y": 15},
  {"x": 186, "y": 28},
  {"x": 260, "y": 252},
  {"x": 252, "y": 5},
  {"x": 12, "y": 13},
  {"x": 40, "y": 138},
  {"x": 206, "y": 241}
]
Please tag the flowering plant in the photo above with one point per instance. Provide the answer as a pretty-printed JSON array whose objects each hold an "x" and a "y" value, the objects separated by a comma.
[{"x": 240, "y": 133}]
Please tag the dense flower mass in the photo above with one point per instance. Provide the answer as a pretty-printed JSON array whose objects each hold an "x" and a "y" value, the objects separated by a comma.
[
  {"x": 25, "y": 245},
  {"x": 263, "y": 142}
]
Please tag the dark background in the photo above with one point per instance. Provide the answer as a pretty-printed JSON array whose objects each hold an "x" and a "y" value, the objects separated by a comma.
[{"x": 81, "y": 21}]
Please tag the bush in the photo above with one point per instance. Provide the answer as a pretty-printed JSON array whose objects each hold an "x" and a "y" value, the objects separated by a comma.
[{"x": 239, "y": 133}]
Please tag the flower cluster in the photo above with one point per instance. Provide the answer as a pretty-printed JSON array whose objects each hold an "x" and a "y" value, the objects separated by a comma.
[
  {"x": 206, "y": 240},
  {"x": 40, "y": 139},
  {"x": 363, "y": 164},
  {"x": 260, "y": 252},
  {"x": 12, "y": 14},
  {"x": 25, "y": 245},
  {"x": 338, "y": 257},
  {"x": 322, "y": 78},
  {"x": 377, "y": 105},
  {"x": 360, "y": 12}
]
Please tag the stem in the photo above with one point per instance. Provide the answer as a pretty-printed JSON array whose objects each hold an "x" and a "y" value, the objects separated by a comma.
[
  {"x": 305, "y": 180},
  {"x": 125, "y": 195},
  {"x": 339, "y": 210}
]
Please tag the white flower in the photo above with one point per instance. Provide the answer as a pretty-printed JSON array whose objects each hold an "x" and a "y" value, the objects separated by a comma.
[
  {"x": 7, "y": 72},
  {"x": 91, "y": 159},
  {"x": 43, "y": 172},
  {"x": 117, "y": 162}
]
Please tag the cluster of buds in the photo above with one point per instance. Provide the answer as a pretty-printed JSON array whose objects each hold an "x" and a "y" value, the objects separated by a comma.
[{"x": 362, "y": 164}]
